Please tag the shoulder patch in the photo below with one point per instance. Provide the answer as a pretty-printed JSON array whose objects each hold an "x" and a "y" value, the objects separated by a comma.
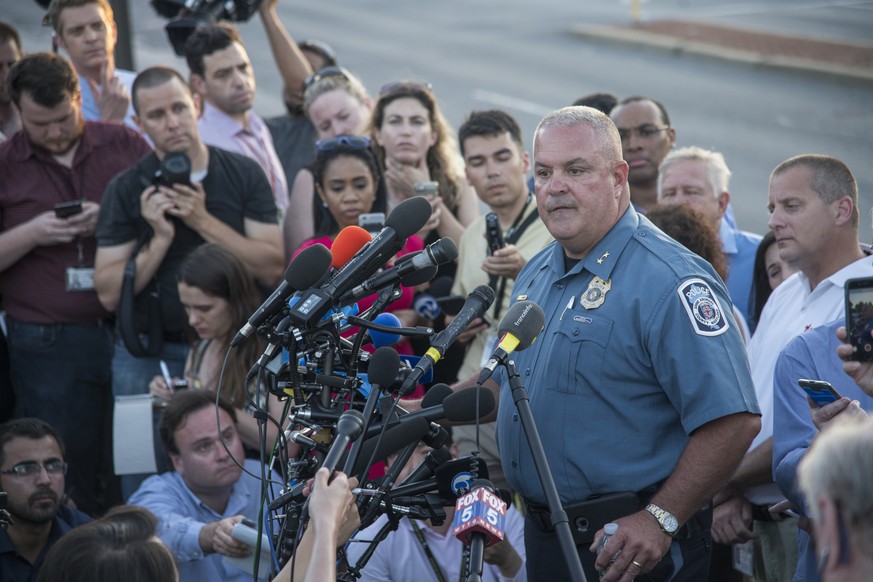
[{"x": 703, "y": 308}]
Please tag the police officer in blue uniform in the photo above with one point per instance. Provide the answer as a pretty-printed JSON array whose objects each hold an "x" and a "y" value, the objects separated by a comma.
[{"x": 639, "y": 383}]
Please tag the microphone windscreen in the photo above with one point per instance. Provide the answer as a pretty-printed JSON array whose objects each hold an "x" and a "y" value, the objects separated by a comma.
[
  {"x": 525, "y": 321},
  {"x": 393, "y": 440},
  {"x": 409, "y": 216},
  {"x": 435, "y": 395},
  {"x": 347, "y": 244},
  {"x": 308, "y": 267},
  {"x": 441, "y": 287},
  {"x": 419, "y": 277},
  {"x": 383, "y": 367},
  {"x": 381, "y": 339},
  {"x": 461, "y": 406},
  {"x": 483, "y": 293}
]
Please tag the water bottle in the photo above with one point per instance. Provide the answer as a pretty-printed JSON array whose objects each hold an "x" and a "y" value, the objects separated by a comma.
[{"x": 609, "y": 530}]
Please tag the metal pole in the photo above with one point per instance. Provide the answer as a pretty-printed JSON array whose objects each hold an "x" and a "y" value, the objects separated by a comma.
[{"x": 124, "y": 46}]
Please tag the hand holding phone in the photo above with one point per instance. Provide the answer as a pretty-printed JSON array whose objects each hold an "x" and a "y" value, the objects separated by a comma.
[
  {"x": 859, "y": 318},
  {"x": 819, "y": 391},
  {"x": 68, "y": 209}
]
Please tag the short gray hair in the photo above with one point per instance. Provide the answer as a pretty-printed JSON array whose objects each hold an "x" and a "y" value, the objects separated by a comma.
[
  {"x": 716, "y": 168},
  {"x": 604, "y": 128},
  {"x": 839, "y": 465}
]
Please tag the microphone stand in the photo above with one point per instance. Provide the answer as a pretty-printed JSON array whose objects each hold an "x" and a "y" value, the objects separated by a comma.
[{"x": 559, "y": 518}]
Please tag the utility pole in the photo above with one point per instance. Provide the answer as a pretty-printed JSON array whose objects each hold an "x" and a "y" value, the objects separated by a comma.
[{"x": 124, "y": 46}]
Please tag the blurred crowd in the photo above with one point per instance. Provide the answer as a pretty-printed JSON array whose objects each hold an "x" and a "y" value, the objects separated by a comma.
[{"x": 144, "y": 216}]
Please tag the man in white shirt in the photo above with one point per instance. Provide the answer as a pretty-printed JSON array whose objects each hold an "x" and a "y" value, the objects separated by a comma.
[{"x": 813, "y": 203}]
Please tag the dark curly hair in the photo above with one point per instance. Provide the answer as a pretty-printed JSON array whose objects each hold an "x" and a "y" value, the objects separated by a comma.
[
  {"x": 692, "y": 230},
  {"x": 325, "y": 223}
]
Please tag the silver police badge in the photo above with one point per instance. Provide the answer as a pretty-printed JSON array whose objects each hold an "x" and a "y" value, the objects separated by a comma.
[
  {"x": 596, "y": 293},
  {"x": 703, "y": 308}
]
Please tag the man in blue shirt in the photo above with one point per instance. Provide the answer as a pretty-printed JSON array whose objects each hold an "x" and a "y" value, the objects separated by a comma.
[
  {"x": 700, "y": 178},
  {"x": 32, "y": 470},
  {"x": 639, "y": 381},
  {"x": 199, "y": 502},
  {"x": 810, "y": 355},
  {"x": 86, "y": 30}
]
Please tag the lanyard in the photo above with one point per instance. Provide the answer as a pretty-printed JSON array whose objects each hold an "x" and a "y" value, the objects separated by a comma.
[
  {"x": 512, "y": 235},
  {"x": 430, "y": 558}
]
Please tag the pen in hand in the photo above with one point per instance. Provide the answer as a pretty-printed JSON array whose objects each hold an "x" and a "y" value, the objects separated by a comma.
[{"x": 165, "y": 372}]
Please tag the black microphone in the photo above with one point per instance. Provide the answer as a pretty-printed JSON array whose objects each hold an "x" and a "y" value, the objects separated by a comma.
[
  {"x": 406, "y": 219},
  {"x": 458, "y": 407},
  {"x": 476, "y": 305},
  {"x": 349, "y": 427},
  {"x": 381, "y": 373},
  {"x": 518, "y": 329},
  {"x": 394, "y": 439},
  {"x": 428, "y": 466},
  {"x": 449, "y": 479},
  {"x": 438, "y": 253},
  {"x": 303, "y": 272}
]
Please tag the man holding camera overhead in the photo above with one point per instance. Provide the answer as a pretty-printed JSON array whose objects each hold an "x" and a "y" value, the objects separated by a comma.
[
  {"x": 52, "y": 176},
  {"x": 182, "y": 195}
]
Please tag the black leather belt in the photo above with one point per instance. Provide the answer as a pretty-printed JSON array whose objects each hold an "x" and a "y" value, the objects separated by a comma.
[{"x": 699, "y": 522}]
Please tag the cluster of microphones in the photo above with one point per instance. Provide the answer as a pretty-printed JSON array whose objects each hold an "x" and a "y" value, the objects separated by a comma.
[{"x": 343, "y": 401}]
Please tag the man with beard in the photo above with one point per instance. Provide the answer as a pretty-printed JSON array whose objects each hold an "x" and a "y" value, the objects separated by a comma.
[
  {"x": 52, "y": 177},
  {"x": 32, "y": 470},
  {"x": 222, "y": 74}
]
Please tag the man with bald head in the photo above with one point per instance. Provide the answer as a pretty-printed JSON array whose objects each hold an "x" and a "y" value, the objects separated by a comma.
[{"x": 625, "y": 306}]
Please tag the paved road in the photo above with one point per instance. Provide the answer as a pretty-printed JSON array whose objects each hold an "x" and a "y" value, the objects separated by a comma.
[{"x": 519, "y": 55}]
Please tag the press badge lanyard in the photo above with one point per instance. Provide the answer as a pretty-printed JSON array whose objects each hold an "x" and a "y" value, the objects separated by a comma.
[{"x": 433, "y": 563}]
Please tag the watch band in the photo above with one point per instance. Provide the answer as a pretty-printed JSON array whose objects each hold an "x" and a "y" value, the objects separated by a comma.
[{"x": 668, "y": 522}]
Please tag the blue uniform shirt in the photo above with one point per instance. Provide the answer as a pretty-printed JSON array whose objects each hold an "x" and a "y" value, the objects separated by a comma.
[{"x": 617, "y": 387}]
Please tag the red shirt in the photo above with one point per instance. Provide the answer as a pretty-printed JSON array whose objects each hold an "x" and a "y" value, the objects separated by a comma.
[{"x": 32, "y": 182}]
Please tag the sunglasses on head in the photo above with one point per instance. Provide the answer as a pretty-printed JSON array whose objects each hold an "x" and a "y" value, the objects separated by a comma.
[
  {"x": 324, "y": 74},
  {"x": 355, "y": 142},
  {"x": 391, "y": 87}
]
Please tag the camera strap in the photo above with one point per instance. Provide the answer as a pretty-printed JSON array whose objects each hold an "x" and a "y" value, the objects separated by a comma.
[
  {"x": 127, "y": 310},
  {"x": 514, "y": 233}
]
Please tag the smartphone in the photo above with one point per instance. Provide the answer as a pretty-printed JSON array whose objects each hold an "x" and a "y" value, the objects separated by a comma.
[
  {"x": 426, "y": 188},
  {"x": 859, "y": 317},
  {"x": 493, "y": 233},
  {"x": 372, "y": 221},
  {"x": 67, "y": 209},
  {"x": 819, "y": 391}
]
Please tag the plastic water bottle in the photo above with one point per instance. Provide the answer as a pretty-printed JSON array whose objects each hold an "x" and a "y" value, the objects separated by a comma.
[{"x": 609, "y": 530}]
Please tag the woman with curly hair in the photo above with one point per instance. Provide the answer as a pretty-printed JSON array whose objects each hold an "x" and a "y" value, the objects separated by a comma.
[{"x": 692, "y": 230}]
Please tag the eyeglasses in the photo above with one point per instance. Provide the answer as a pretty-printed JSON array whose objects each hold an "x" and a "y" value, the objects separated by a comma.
[
  {"x": 32, "y": 469},
  {"x": 324, "y": 73},
  {"x": 642, "y": 132},
  {"x": 355, "y": 142},
  {"x": 391, "y": 87}
]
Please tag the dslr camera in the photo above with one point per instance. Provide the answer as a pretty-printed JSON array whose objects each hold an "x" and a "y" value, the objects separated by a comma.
[{"x": 175, "y": 169}]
